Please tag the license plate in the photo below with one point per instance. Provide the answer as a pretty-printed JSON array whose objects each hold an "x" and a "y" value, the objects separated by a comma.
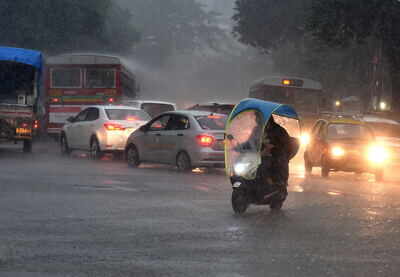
[{"x": 23, "y": 131}]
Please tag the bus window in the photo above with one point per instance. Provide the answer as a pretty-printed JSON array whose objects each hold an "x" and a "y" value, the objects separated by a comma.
[
  {"x": 66, "y": 78},
  {"x": 100, "y": 78},
  {"x": 128, "y": 85}
]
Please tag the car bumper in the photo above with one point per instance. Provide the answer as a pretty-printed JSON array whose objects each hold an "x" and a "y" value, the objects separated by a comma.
[
  {"x": 208, "y": 158},
  {"x": 352, "y": 164},
  {"x": 113, "y": 141}
]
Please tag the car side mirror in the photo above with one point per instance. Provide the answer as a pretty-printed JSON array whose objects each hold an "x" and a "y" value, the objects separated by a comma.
[
  {"x": 71, "y": 119},
  {"x": 229, "y": 137}
]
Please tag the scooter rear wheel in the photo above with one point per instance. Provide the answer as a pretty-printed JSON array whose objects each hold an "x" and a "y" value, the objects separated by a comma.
[
  {"x": 239, "y": 201},
  {"x": 276, "y": 205}
]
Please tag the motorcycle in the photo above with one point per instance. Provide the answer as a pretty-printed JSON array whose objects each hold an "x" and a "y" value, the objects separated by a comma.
[{"x": 245, "y": 134}]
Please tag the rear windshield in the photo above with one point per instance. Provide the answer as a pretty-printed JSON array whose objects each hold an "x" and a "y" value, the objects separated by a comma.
[
  {"x": 212, "y": 122},
  {"x": 222, "y": 109},
  {"x": 349, "y": 131},
  {"x": 124, "y": 114},
  {"x": 154, "y": 109}
]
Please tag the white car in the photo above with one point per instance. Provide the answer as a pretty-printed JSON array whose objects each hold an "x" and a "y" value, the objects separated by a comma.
[
  {"x": 101, "y": 129},
  {"x": 153, "y": 108}
]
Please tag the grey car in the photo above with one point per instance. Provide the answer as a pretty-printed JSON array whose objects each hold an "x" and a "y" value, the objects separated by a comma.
[{"x": 187, "y": 139}]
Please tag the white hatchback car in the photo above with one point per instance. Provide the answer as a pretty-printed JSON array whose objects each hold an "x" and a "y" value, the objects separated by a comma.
[{"x": 101, "y": 129}]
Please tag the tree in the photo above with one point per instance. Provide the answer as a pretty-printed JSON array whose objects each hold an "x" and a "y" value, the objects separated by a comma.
[
  {"x": 64, "y": 25},
  {"x": 373, "y": 24},
  {"x": 268, "y": 24},
  {"x": 171, "y": 27}
]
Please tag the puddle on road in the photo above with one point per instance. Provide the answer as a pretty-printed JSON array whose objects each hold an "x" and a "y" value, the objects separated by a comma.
[
  {"x": 109, "y": 185},
  {"x": 335, "y": 193}
]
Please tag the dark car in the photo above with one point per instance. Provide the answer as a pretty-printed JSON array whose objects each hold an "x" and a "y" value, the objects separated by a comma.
[{"x": 344, "y": 145}]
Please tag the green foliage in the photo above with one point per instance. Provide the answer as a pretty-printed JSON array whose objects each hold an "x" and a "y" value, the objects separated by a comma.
[
  {"x": 267, "y": 24},
  {"x": 64, "y": 25},
  {"x": 333, "y": 41},
  {"x": 171, "y": 27}
]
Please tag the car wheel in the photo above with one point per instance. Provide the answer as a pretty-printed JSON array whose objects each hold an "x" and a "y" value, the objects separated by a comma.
[
  {"x": 27, "y": 148},
  {"x": 132, "y": 156},
  {"x": 307, "y": 164},
  {"x": 95, "y": 152},
  {"x": 379, "y": 175},
  {"x": 239, "y": 201},
  {"x": 64, "y": 147},
  {"x": 183, "y": 162},
  {"x": 276, "y": 205},
  {"x": 324, "y": 169}
]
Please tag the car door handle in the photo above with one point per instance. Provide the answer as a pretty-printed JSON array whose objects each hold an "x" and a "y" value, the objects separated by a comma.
[
  {"x": 180, "y": 135},
  {"x": 158, "y": 135}
]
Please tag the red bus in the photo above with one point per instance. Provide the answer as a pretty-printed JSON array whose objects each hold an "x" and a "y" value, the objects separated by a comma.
[{"x": 75, "y": 81}]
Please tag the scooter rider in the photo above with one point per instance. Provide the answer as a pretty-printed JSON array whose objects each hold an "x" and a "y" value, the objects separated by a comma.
[{"x": 276, "y": 153}]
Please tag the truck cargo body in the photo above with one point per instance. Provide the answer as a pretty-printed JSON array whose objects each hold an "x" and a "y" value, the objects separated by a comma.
[{"x": 20, "y": 75}]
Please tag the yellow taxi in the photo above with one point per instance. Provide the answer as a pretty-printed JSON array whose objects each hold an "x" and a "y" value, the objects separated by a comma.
[{"x": 344, "y": 144}]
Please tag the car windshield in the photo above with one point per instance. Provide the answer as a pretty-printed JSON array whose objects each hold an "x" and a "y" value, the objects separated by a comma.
[
  {"x": 212, "y": 121},
  {"x": 349, "y": 131},
  {"x": 125, "y": 114}
]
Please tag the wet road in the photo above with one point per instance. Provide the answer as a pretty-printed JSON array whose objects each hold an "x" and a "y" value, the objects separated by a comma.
[{"x": 74, "y": 217}]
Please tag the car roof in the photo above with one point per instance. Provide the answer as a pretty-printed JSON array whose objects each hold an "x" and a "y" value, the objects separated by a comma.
[
  {"x": 376, "y": 119},
  {"x": 211, "y": 104},
  {"x": 120, "y": 107},
  {"x": 341, "y": 121},
  {"x": 193, "y": 113},
  {"x": 150, "y": 101}
]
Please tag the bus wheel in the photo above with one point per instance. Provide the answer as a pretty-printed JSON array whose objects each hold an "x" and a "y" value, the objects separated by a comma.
[{"x": 27, "y": 148}]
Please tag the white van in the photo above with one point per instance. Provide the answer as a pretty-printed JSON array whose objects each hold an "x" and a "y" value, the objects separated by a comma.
[{"x": 153, "y": 108}]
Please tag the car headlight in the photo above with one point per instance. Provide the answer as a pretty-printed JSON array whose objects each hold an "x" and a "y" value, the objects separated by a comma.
[
  {"x": 241, "y": 168},
  {"x": 305, "y": 139},
  {"x": 337, "y": 152},
  {"x": 377, "y": 154}
]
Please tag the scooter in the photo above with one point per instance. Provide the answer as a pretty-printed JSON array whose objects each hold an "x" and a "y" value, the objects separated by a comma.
[{"x": 243, "y": 144}]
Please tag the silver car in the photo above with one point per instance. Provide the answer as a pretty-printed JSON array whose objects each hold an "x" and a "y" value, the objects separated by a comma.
[{"x": 187, "y": 139}]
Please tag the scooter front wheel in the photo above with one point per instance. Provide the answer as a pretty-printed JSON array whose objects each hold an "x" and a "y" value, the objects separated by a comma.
[{"x": 239, "y": 201}]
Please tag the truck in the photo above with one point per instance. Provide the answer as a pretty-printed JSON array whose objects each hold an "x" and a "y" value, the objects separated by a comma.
[{"x": 20, "y": 86}]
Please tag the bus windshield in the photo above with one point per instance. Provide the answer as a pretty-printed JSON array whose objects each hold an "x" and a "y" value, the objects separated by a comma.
[
  {"x": 304, "y": 100},
  {"x": 100, "y": 78}
]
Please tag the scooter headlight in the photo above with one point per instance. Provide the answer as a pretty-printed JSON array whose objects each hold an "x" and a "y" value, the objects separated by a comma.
[{"x": 241, "y": 168}]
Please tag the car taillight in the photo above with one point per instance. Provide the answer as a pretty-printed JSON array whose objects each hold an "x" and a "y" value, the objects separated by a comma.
[
  {"x": 113, "y": 126},
  {"x": 111, "y": 100},
  {"x": 205, "y": 140},
  {"x": 132, "y": 118},
  {"x": 55, "y": 100}
]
